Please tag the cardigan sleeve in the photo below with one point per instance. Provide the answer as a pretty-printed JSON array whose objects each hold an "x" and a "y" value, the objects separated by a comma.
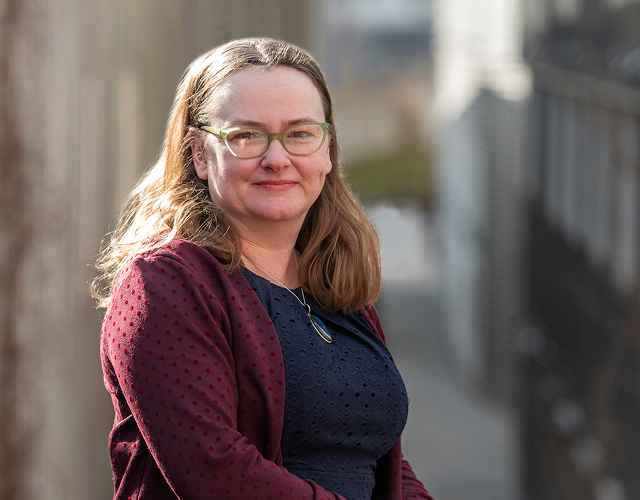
[
  {"x": 412, "y": 487},
  {"x": 395, "y": 478},
  {"x": 167, "y": 338}
]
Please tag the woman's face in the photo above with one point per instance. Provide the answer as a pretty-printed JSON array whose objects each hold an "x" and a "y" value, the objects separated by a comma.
[{"x": 276, "y": 186}]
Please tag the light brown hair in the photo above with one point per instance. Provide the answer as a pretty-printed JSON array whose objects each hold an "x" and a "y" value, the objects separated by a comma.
[{"x": 340, "y": 264}]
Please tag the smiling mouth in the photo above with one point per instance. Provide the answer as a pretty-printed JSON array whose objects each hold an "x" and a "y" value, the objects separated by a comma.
[{"x": 276, "y": 185}]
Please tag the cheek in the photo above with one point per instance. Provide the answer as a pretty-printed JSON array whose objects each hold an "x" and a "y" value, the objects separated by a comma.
[
  {"x": 219, "y": 169},
  {"x": 228, "y": 177},
  {"x": 217, "y": 177}
]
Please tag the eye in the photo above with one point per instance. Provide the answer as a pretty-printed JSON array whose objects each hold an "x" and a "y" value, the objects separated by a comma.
[
  {"x": 306, "y": 133},
  {"x": 244, "y": 135},
  {"x": 298, "y": 134}
]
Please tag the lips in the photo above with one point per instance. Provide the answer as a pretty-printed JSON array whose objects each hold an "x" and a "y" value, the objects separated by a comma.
[{"x": 276, "y": 184}]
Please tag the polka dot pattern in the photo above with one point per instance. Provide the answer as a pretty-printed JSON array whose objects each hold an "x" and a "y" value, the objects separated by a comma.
[{"x": 195, "y": 372}]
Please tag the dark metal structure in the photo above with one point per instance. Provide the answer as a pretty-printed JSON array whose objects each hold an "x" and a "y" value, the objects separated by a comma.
[{"x": 581, "y": 403}]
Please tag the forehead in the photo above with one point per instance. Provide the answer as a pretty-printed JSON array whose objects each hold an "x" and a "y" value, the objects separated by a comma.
[{"x": 267, "y": 94}]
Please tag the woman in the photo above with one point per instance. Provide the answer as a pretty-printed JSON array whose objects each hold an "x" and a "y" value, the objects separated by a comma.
[{"x": 240, "y": 347}]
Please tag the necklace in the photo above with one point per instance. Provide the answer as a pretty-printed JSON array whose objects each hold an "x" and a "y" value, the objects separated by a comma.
[{"x": 318, "y": 325}]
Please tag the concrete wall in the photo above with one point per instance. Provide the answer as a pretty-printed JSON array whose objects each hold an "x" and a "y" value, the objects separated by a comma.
[{"x": 85, "y": 89}]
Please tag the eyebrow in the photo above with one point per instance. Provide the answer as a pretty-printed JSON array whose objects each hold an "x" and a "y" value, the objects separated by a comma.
[{"x": 290, "y": 123}]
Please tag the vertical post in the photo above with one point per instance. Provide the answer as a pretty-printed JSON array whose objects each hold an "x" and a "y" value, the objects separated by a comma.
[{"x": 14, "y": 238}]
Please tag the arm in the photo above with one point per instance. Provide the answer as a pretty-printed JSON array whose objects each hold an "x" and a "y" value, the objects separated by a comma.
[
  {"x": 412, "y": 487},
  {"x": 395, "y": 480},
  {"x": 168, "y": 335}
]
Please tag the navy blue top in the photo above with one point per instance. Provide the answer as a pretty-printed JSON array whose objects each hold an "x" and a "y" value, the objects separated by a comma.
[{"x": 345, "y": 403}]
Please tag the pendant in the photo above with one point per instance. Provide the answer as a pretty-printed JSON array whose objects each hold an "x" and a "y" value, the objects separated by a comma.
[{"x": 320, "y": 328}]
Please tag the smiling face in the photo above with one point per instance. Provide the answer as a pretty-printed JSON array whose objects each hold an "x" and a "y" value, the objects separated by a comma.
[{"x": 277, "y": 186}]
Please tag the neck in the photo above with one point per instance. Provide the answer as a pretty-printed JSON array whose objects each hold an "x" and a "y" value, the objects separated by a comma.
[
  {"x": 276, "y": 264},
  {"x": 271, "y": 246},
  {"x": 267, "y": 232}
]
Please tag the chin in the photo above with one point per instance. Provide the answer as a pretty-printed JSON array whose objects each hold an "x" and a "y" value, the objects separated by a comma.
[
  {"x": 281, "y": 217},
  {"x": 282, "y": 214}
]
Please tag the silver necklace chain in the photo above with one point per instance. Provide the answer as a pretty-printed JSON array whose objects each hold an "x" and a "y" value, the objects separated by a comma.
[
  {"x": 303, "y": 302},
  {"x": 320, "y": 328}
]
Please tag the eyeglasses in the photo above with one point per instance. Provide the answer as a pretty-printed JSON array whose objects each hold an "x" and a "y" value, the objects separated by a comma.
[{"x": 250, "y": 142}]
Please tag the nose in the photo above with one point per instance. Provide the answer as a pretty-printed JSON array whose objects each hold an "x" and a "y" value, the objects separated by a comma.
[{"x": 276, "y": 157}]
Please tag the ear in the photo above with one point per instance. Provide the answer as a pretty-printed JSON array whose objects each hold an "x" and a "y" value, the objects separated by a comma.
[
  {"x": 328, "y": 164},
  {"x": 199, "y": 155}
]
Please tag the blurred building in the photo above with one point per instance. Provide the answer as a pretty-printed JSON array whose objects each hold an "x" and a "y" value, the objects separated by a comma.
[
  {"x": 481, "y": 86},
  {"x": 583, "y": 375},
  {"x": 376, "y": 55},
  {"x": 85, "y": 91}
]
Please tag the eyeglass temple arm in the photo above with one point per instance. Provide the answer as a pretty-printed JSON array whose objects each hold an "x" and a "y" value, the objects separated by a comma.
[{"x": 211, "y": 130}]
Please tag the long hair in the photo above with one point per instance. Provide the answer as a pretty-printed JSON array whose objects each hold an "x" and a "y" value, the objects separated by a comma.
[{"x": 340, "y": 263}]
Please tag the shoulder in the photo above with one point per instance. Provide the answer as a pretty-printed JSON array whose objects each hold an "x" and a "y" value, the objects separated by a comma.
[
  {"x": 182, "y": 271},
  {"x": 178, "y": 258},
  {"x": 178, "y": 252},
  {"x": 177, "y": 284},
  {"x": 176, "y": 272}
]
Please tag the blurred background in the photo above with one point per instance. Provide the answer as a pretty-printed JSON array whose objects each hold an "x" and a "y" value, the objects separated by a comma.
[{"x": 496, "y": 146}]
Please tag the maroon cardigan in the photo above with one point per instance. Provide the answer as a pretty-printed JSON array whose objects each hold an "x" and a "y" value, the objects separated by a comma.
[{"x": 195, "y": 371}]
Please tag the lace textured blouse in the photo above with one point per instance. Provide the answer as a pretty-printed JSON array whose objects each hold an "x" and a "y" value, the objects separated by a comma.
[{"x": 345, "y": 403}]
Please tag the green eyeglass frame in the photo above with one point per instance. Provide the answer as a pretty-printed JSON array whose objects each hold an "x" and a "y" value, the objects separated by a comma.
[{"x": 223, "y": 133}]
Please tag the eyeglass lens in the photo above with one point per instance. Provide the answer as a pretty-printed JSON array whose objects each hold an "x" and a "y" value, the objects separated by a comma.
[{"x": 302, "y": 140}]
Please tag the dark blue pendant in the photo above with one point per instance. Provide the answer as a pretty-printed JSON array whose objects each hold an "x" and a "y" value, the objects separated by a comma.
[{"x": 321, "y": 329}]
